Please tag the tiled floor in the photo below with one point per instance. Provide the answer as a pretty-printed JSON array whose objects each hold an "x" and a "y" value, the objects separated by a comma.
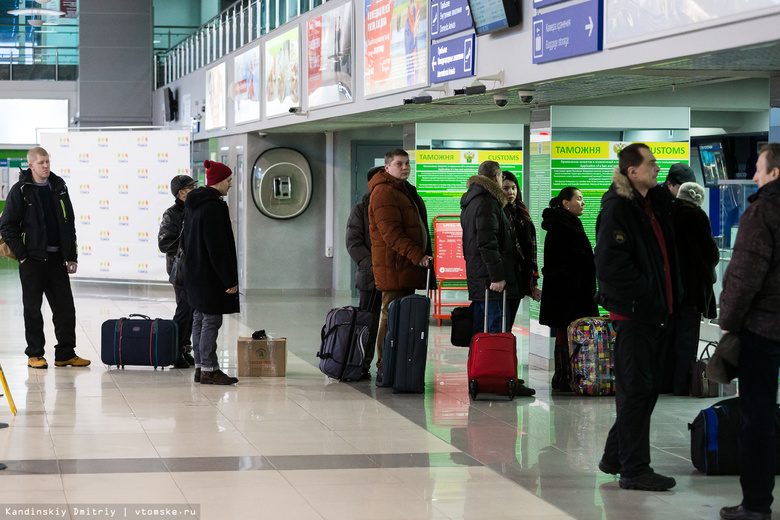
[{"x": 302, "y": 447}]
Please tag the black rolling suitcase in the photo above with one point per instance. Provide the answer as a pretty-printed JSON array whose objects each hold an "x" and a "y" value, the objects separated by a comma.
[
  {"x": 405, "y": 349},
  {"x": 344, "y": 337},
  {"x": 141, "y": 342}
]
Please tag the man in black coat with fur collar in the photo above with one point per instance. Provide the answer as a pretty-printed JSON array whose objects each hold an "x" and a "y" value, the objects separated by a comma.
[
  {"x": 210, "y": 269},
  {"x": 639, "y": 285}
]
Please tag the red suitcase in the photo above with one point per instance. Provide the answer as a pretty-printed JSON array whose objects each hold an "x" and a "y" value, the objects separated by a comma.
[{"x": 492, "y": 365}]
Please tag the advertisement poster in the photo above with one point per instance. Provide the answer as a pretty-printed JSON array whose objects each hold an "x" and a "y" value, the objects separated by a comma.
[
  {"x": 216, "y": 108},
  {"x": 441, "y": 175},
  {"x": 329, "y": 48},
  {"x": 282, "y": 75},
  {"x": 119, "y": 184},
  {"x": 246, "y": 86},
  {"x": 396, "y": 45}
]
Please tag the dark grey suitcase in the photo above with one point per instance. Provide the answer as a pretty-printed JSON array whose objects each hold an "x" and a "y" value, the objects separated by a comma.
[
  {"x": 405, "y": 349},
  {"x": 344, "y": 337}
]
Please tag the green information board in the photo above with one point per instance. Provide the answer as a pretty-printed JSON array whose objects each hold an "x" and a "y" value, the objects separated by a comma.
[{"x": 441, "y": 176}]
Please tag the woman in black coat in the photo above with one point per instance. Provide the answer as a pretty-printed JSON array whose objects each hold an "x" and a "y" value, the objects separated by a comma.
[{"x": 569, "y": 275}]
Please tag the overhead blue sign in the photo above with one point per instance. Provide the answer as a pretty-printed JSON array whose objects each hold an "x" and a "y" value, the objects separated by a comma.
[
  {"x": 569, "y": 31},
  {"x": 542, "y": 3},
  {"x": 449, "y": 17},
  {"x": 452, "y": 59}
]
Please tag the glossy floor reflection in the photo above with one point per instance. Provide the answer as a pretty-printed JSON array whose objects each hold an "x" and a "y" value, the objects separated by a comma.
[{"x": 302, "y": 447}]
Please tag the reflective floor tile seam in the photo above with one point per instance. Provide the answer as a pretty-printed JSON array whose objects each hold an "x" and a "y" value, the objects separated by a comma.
[{"x": 249, "y": 463}]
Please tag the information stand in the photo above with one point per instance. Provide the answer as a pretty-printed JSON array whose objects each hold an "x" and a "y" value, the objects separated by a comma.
[{"x": 449, "y": 262}]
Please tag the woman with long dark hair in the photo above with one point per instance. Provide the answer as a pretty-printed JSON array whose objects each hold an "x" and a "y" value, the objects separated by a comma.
[
  {"x": 524, "y": 233},
  {"x": 569, "y": 275}
]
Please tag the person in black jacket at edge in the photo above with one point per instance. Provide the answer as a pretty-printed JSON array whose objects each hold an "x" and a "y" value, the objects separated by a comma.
[
  {"x": 168, "y": 243},
  {"x": 210, "y": 269},
  {"x": 638, "y": 283},
  {"x": 359, "y": 248},
  {"x": 488, "y": 248},
  {"x": 750, "y": 307},
  {"x": 38, "y": 225},
  {"x": 569, "y": 276},
  {"x": 699, "y": 254}
]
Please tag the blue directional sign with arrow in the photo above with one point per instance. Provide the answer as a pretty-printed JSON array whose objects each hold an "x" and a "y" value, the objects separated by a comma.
[
  {"x": 452, "y": 59},
  {"x": 449, "y": 17},
  {"x": 569, "y": 31}
]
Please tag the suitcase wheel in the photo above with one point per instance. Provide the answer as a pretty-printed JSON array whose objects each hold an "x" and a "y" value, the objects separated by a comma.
[
  {"x": 511, "y": 388},
  {"x": 473, "y": 389}
]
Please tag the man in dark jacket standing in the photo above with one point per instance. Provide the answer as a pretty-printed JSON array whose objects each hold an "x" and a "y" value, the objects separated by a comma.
[
  {"x": 638, "y": 282},
  {"x": 488, "y": 246},
  {"x": 39, "y": 226},
  {"x": 401, "y": 245},
  {"x": 210, "y": 269},
  {"x": 750, "y": 306},
  {"x": 359, "y": 248},
  {"x": 168, "y": 243}
]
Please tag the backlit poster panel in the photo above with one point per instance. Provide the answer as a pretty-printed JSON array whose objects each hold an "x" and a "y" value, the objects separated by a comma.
[
  {"x": 119, "y": 184},
  {"x": 282, "y": 73},
  {"x": 396, "y": 45},
  {"x": 246, "y": 86},
  {"x": 215, "y": 97},
  {"x": 329, "y": 49}
]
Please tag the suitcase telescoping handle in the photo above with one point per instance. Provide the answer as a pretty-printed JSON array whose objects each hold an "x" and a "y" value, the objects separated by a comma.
[{"x": 503, "y": 310}]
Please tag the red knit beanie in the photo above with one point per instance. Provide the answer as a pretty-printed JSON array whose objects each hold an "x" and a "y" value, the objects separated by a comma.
[{"x": 216, "y": 172}]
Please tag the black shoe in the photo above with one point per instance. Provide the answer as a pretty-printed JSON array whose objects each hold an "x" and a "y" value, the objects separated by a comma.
[
  {"x": 181, "y": 363},
  {"x": 365, "y": 376},
  {"x": 217, "y": 377},
  {"x": 197, "y": 375},
  {"x": 650, "y": 481},
  {"x": 740, "y": 513},
  {"x": 523, "y": 391},
  {"x": 609, "y": 467},
  {"x": 189, "y": 359}
]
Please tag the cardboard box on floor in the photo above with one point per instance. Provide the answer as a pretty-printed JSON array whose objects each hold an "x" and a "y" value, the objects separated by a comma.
[{"x": 262, "y": 357}]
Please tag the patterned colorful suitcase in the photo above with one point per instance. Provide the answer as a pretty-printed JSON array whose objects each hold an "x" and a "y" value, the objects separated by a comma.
[{"x": 592, "y": 356}]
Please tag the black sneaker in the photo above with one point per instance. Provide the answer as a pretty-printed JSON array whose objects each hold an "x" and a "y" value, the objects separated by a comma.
[
  {"x": 197, "y": 376},
  {"x": 650, "y": 481},
  {"x": 181, "y": 363},
  {"x": 610, "y": 468},
  {"x": 524, "y": 391},
  {"x": 366, "y": 375},
  {"x": 740, "y": 513},
  {"x": 188, "y": 358},
  {"x": 217, "y": 377}
]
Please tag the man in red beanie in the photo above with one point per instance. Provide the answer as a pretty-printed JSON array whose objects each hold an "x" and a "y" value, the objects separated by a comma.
[{"x": 210, "y": 269}]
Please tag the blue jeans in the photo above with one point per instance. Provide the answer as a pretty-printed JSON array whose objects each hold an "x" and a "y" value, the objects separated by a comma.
[
  {"x": 494, "y": 317},
  {"x": 759, "y": 359},
  {"x": 205, "y": 328}
]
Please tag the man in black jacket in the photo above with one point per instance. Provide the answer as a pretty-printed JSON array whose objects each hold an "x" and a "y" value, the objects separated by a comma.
[
  {"x": 210, "y": 269},
  {"x": 38, "y": 225},
  {"x": 488, "y": 246},
  {"x": 359, "y": 248},
  {"x": 749, "y": 307},
  {"x": 638, "y": 283},
  {"x": 168, "y": 243}
]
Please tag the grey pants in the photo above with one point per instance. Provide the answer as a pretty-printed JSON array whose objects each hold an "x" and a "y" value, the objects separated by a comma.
[{"x": 205, "y": 328}]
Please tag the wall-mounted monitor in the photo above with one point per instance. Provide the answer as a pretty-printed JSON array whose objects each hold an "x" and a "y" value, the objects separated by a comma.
[
  {"x": 494, "y": 15},
  {"x": 171, "y": 105},
  {"x": 714, "y": 165}
]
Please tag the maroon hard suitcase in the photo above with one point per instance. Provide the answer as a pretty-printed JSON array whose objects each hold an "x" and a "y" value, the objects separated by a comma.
[{"x": 492, "y": 364}]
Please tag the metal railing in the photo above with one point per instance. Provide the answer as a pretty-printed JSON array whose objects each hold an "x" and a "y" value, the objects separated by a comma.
[{"x": 238, "y": 25}]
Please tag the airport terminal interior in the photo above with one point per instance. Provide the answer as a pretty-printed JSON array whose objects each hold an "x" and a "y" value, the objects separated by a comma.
[
  {"x": 305, "y": 447},
  {"x": 300, "y": 99}
]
